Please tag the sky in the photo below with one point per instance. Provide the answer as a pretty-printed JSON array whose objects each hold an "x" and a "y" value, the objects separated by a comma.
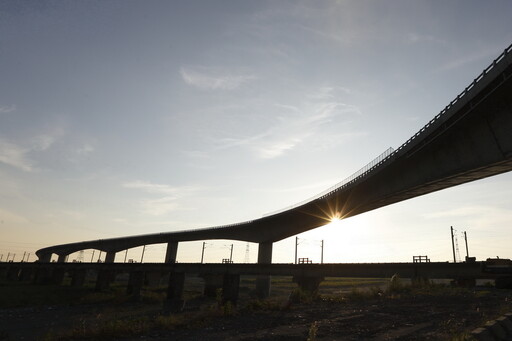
[{"x": 128, "y": 117}]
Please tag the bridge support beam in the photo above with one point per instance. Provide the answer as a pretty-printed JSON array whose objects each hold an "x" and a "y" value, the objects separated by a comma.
[
  {"x": 45, "y": 258},
  {"x": 263, "y": 281},
  {"x": 152, "y": 279},
  {"x": 212, "y": 283},
  {"x": 308, "y": 283},
  {"x": 13, "y": 273},
  {"x": 135, "y": 283},
  {"x": 105, "y": 277},
  {"x": 58, "y": 276},
  {"x": 172, "y": 252},
  {"x": 230, "y": 288},
  {"x": 42, "y": 276},
  {"x": 26, "y": 274},
  {"x": 174, "y": 302},
  {"x": 110, "y": 257},
  {"x": 78, "y": 278},
  {"x": 62, "y": 259}
]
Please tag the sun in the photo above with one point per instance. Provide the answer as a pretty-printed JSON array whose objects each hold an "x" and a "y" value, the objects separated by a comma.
[{"x": 335, "y": 221}]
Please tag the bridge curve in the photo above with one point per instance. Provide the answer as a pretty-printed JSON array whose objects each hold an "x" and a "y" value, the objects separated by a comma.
[{"x": 470, "y": 139}]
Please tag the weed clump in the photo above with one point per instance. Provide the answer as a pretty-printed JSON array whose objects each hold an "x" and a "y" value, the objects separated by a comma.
[
  {"x": 313, "y": 329},
  {"x": 300, "y": 295}
]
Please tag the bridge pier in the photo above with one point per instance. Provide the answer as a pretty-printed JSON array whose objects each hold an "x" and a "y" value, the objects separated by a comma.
[
  {"x": 263, "y": 281},
  {"x": 78, "y": 278},
  {"x": 174, "y": 302},
  {"x": 110, "y": 257},
  {"x": 152, "y": 279},
  {"x": 26, "y": 274},
  {"x": 172, "y": 252},
  {"x": 308, "y": 283},
  {"x": 58, "y": 276},
  {"x": 45, "y": 258},
  {"x": 13, "y": 273},
  {"x": 104, "y": 279},
  {"x": 62, "y": 258},
  {"x": 42, "y": 275},
  {"x": 135, "y": 283},
  {"x": 212, "y": 282},
  {"x": 230, "y": 288}
]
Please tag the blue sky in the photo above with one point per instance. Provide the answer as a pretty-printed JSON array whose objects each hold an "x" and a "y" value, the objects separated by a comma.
[{"x": 131, "y": 117}]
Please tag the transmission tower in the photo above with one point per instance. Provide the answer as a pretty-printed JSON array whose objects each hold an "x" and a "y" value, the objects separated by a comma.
[
  {"x": 457, "y": 247},
  {"x": 80, "y": 257},
  {"x": 246, "y": 260}
]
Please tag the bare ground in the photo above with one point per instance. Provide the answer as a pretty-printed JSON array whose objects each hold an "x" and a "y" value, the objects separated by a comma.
[{"x": 431, "y": 313}]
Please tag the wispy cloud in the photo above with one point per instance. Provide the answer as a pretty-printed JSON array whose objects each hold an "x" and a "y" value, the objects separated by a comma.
[
  {"x": 7, "y": 108},
  {"x": 414, "y": 38},
  {"x": 169, "y": 202},
  {"x": 15, "y": 156},
  {"x": 149, "y": 187},
  {"x": 160, "y": 206},
  {"x": 44, "y": 142},
  {"x": 18, "y": 156},
  {"x": 293, "y": 125},
  {"x": 485, "y": 54},
  {"x": 209, "y": 79}
]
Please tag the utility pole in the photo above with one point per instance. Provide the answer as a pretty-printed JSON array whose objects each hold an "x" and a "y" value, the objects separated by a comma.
[
  {"x": 28, "y": 256},
  {"x": 99, "y": 257},
  {"x": 92, "y": 258},
  {"x": 8, "y": 254},
  {"x": 1, "y": 256},
  {"x": 125, "y": 254},
  {"x": 296, "y": 243},
  {"x": 143, "y": 250},
  {"x": 24, "y": 253},
  {"x": 322, "y": 256},
  {"x": 466, "y": 239},
  {"x": 231, "y": 254},
  {"x": 453, "y": 245},
  {"x": 202, "y": 252}
]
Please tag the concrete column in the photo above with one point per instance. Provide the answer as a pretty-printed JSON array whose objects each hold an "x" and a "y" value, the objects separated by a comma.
[
  {"x": 105, "y": 277},
  {"x": 26, "y": 274},
  {"x": 212, "y": 283},
  {"x": 152, "y": 279},
  {"x": 45, "y": 258},
  {"x": 13, "y": 273},
  {"x": 174, "y": 301},
  {"x": 43, "y": 275},
  {"x": 78, "y": 277},
  {"x": 308, "y": 283},
  {"x": 62, "y": 259},
  {"x": 230, "y": 288},
  {"x": 135, "y": 283},
  {"x": 263, "y": 281},
  {"x": 172, "y": 251},
  {"x": 58, "y": 276},
  {"x": 110, "y": 257}
]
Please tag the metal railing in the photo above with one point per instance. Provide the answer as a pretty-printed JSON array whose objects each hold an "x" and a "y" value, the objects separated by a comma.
[{"x": 346, "y": 182}]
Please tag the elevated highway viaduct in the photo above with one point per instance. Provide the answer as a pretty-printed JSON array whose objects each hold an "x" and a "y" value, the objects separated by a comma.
[
  {"x": 227, "y": 276},
  {"x": 468, "y": 140}
]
